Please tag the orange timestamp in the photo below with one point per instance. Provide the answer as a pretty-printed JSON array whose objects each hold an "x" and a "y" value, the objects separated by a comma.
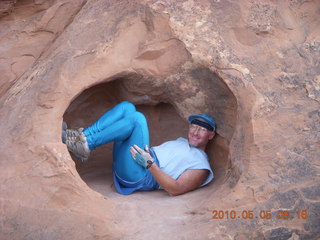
[{"x": 261, "y": 214}]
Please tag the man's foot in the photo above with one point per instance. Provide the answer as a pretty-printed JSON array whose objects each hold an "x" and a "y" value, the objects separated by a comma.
[
  {"x": 74, "y": 133},
  {"x": 77, "y": 144},
  {"x": 70, "y": 134}
]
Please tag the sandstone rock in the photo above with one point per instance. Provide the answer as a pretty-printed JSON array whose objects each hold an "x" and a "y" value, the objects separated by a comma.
[{"x": 254, "y": 65}]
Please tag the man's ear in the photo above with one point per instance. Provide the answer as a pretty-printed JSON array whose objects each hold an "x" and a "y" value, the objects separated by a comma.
[{"x": 211, "y": 135}]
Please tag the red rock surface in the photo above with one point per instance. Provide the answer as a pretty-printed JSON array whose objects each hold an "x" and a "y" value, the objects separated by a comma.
[{"x": 254, "y": 65}]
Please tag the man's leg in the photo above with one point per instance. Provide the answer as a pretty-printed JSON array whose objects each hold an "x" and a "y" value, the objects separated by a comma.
[
  {"x": 107, "y": 128},
  {"x": 125, "y": 127},
  {"x": 131, "y": 129},
  {"x": 123, "y": 164},
  {"x": 80, "y": 142}
]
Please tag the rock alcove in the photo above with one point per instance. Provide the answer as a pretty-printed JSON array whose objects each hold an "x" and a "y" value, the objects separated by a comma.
[
  {"x": 165, "y": 120},
  {"x": 254, "y": 65}
]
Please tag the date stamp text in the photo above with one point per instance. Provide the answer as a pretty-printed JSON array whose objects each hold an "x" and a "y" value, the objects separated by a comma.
[{"x": 259, "y": 214}]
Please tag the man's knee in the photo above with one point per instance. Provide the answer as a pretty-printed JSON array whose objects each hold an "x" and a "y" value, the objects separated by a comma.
[
  {"x": 139, "y": 118},
  {"x": 127, "y": 106}
]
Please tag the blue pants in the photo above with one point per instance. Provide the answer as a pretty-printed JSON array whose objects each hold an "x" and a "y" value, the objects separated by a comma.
[{"x": 124, "y": 126}]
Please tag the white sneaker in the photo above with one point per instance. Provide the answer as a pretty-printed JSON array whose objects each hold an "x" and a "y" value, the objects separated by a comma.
[
  {"x": 77, "y": 144},
  {"x": 74, "y": 133}
]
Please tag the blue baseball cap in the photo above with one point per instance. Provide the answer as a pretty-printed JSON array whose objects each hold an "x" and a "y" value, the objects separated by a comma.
[{"x": 208, "y": 119}]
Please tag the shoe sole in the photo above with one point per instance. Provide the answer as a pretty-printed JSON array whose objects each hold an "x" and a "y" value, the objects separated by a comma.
[
  {"x": 79, "y": 158},
  {"x": 64, "y": 133}
]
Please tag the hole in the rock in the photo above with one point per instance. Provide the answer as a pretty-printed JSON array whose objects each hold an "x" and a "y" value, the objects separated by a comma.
[{"x": 164, "y": 124}]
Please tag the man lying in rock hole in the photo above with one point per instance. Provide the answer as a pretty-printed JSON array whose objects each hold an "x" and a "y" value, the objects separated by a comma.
[{"x": 177, "y": 166}]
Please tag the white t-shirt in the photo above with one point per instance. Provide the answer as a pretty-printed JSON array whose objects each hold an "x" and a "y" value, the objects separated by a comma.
[{"x": 177, "y": 156}]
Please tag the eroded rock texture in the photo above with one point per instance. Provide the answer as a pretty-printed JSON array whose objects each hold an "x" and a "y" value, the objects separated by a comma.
[{"x": 254, "y": 65}]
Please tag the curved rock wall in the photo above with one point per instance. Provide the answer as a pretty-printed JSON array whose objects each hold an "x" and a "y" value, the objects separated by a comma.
[{"x": 254, "y": 65}]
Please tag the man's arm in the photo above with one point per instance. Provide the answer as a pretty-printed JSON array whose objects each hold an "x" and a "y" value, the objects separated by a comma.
[{"x": 188, "y": 181}]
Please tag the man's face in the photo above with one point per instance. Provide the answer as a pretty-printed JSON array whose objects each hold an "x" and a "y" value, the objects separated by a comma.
[{"x": 199, "y": 136}]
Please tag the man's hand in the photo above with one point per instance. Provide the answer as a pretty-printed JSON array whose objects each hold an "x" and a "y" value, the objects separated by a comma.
[{"x": 142, "y": 157}]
